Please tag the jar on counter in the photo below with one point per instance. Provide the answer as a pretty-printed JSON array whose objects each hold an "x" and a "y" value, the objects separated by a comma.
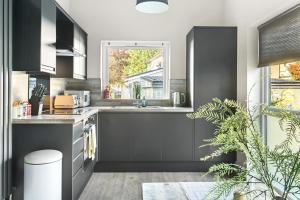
[
  {"x": 29, "y": 109},
  {"x": 24, "y": 104},
  {"x": 15, "y": 109}
]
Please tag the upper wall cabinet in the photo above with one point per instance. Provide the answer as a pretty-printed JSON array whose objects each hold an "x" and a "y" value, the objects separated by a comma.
[
  {"x": 70, "y": 47},
  {"x": 34, "y": 36}
]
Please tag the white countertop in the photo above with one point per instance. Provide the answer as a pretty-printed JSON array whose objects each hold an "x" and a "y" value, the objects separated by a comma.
[{"x": 71, "y": 119}]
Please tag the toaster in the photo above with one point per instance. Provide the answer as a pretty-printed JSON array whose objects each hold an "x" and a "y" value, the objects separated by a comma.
[{"x": 66, "y": 101}]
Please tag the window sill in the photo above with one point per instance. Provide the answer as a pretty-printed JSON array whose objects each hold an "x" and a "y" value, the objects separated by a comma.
[
  {"x": 129, "y": 102},
  {"x": 297, "y": 112}
]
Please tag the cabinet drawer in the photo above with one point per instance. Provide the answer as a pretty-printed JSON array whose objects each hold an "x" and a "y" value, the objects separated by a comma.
[
  {"x": 78, "y": 147},
  {"x": 80, "y": 180},
  {"x": 77, "y": 131},
  {"x": 77, "y": 163},
  {"x": 78, "y": 184}
]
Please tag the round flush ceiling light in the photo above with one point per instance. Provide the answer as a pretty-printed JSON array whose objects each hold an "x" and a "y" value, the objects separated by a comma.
[{"x": 152, "y": 6}]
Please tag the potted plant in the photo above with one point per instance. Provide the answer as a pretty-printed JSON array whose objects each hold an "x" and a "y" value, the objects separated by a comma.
[{"x": 237, "y": 130}]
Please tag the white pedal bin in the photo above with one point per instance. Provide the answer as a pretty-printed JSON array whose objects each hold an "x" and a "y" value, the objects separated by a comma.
[{"x": 43, "y": 175}]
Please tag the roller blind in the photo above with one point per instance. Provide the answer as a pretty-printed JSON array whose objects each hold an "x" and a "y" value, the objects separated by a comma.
[{"x": 279, "y": 39}]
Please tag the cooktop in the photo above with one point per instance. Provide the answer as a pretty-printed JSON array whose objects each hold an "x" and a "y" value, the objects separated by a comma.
[{"x": 77, "y": 111}]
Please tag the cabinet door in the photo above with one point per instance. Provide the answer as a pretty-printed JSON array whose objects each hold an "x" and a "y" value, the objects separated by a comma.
[
  {"x": 147, "y": 137},
  {"x": 79, "y": 67},
  {"x": 214, "y": 76},
  {"x": 83, "y": 67},
  {"x": 76, "y": 67},
  {"x": 77, "y": 36},
  {"x": 48, "y": 36},
  {"x": 114, "y": 137},
  {"x": 178, "y": 132}
]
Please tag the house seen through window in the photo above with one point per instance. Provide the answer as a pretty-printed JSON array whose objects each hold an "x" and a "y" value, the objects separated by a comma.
[
  {"x": 285, "y": 86},
  {"x": 135, "y": 70}
]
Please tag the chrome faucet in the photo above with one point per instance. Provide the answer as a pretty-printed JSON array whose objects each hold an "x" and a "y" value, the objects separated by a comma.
[
  {"x": 141, "y": 103},
  {"x": 137, "y": 103}
]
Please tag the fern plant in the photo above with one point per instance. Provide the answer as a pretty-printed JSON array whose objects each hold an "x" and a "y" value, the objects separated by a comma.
[{"x": 237, "y": 130}]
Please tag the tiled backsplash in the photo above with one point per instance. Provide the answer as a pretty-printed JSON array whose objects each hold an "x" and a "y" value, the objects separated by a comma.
[
  {"x": 58, "y": 85},
  {"x": 19, "y": 85}
]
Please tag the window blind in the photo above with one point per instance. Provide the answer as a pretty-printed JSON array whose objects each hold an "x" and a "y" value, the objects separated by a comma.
[{"x": 279, "y": 39}]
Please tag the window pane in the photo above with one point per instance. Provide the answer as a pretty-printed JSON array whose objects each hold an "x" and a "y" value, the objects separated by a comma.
[
  {"x": 285, "y": 86},
  {"x": 135, "y": 73}
]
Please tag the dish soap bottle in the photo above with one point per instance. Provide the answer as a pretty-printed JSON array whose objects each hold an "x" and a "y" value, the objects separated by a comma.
[{"x": 106, "y": 93}]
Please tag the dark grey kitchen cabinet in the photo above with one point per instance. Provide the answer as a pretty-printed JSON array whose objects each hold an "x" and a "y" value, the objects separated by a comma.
[
  {"x": 145, "y": 137},
  {"x": 114, "y": 137},
  {"x": 80, "y": 45},
  {"x": 34, "y": 36},
  {"x": 178, "y": 132},
  {"x": 211, "y": 72},
  {"x": 71, "y": 47},
  {"x": 67, "y": 138}
]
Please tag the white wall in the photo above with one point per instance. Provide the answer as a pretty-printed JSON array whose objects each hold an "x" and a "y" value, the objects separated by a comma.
[
  {"x": 65, "y": 4},
  {"x": 118, "y": 20},
  {"x": 247, "y": 15}
]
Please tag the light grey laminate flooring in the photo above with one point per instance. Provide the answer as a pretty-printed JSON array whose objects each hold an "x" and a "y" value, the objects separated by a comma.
[{"x": 128, "y": 186}]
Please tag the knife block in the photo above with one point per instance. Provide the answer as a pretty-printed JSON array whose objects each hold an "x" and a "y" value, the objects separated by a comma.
[{"x": 36, "y": 105}]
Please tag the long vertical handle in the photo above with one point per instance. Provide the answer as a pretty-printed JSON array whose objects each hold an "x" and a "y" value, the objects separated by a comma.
[
  {"x": 2, "y": 195},
  {"x": 7, "y": 63}
]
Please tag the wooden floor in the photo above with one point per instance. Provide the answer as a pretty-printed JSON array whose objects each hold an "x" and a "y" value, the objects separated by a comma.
[{"x": 128, "y": 186}]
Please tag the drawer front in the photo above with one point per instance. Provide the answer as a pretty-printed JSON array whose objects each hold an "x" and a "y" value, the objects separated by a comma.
[
  {"x": 78, "y": 147},
  {"x": 77, "y": 131},
  {"x": 80, "y": 180},
  {"x": 77, "y": 163},
  {"x": 78, "y": 184}
]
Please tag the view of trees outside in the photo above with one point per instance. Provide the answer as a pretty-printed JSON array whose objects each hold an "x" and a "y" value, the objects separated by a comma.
[
  {"x": 285, "y": 86},
  {"x": 134, "y": 72}
]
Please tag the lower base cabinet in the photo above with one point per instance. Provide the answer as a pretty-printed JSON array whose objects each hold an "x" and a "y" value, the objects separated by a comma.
[
  {"x": 66, "y": 138},
  {"x": 140, "y": 142},
  {"x": 146, "y": 137}
]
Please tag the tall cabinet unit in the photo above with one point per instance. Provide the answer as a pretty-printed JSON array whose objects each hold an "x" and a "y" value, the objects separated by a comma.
[{"x": 211, "y": 72}]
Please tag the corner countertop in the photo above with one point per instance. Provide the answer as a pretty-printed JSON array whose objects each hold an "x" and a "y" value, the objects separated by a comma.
[{"x": 88, "y": 111}]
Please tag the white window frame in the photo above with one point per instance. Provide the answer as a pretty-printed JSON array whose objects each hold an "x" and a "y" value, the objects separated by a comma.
[{"x": 165, "y": 45}]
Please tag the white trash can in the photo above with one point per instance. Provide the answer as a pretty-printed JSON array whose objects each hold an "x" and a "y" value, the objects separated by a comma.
[{"x": 43, "y": 175}]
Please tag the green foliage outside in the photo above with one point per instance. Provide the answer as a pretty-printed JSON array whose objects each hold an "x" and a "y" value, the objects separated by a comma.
[
  {"x": 138, "y": 60},
  {"x": 124, "y": 63},
  {"x": 237, "y": 130}
]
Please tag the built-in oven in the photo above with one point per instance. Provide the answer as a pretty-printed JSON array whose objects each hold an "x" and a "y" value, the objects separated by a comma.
[{"x": 90, "y": 140}]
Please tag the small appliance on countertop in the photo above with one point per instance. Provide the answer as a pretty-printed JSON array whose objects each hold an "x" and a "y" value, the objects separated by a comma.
[
  {"x": 83, "y": 96},
  {"x": 179, "y": 99},
  {"x": 66, "y": 102}
]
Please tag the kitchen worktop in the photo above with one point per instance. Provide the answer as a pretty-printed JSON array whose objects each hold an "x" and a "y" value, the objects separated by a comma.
[{"x": 88, "y": 111}]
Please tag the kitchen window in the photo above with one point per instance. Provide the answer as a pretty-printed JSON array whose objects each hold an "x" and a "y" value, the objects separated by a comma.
[
  {"x": 134, "y": 70},
  {"x": 284, "y": 86}
]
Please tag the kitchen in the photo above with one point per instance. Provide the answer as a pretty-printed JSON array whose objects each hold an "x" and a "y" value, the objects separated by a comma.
[{"x": 104, "y": 89}]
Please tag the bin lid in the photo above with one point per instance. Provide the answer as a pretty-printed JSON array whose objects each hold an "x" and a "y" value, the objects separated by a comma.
[{"x": 43, "y": 157}]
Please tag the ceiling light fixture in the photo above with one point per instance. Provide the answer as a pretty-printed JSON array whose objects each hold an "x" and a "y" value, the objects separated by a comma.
[{"x": 152, "y": 6}]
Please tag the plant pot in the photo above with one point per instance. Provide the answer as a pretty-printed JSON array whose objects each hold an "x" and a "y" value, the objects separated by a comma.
[
  {"x": 239, "y": 196},
  {"x": 279, "y": 198}
]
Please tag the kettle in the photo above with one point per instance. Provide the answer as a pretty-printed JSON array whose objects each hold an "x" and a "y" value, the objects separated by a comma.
[{"x": 179, "y": 99}]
